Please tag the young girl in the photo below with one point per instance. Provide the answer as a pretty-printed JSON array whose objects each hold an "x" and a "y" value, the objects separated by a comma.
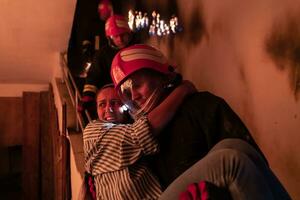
[{"x": 115, "y": 152}]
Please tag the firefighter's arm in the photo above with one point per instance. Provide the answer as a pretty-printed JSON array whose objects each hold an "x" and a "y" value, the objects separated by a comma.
[
  {"x": 89, "y": 93},
  {"x": 164, "y": 112},
  {"x": 91, "y": 85}
]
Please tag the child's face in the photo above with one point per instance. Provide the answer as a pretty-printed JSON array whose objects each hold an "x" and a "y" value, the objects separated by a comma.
[{"x": 109, "y": 106}]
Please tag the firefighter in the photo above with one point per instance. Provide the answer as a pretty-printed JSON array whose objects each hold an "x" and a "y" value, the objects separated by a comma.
[
  {"x": 105, "y": 9},
  {"x": 119, "y": 35},
  {"x": 96, "y": 38},
  {"x": 205, "y": 140}
]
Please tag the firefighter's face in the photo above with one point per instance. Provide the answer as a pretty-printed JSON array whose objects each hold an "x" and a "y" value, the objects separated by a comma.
[
  {"x": 109, "y": 106},
  {"x": 121, "y": 40},
  {"x": 139, "y": 87}
]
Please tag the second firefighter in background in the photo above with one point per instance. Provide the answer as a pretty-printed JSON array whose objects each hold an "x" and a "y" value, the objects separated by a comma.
[{"x": 119, "y": 35}]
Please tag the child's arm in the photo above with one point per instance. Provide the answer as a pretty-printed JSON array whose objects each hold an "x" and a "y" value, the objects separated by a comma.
[{"x": 164, "y": 112}]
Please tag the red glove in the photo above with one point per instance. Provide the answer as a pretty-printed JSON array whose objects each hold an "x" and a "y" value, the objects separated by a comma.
[
  {"x": 195, "y": 192},
  {"x": 92, "y": 187},
  {"x": 204, "y": 191},
  {"x": 87, "y": 102}
]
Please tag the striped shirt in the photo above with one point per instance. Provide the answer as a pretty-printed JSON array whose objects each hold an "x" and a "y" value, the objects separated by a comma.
[{"x": 112, "y": 155}]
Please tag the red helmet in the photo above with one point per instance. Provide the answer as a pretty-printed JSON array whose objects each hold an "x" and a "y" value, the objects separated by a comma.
[
  {"x": 105, "y": 9},
  {"x": 116, "y": 25},
  {"x": 134, "y": 58}
]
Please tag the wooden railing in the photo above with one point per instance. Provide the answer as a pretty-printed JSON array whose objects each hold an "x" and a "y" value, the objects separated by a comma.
[{"x": 74, "y": 94}]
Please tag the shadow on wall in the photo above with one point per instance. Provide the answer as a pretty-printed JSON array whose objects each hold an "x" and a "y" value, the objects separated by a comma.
[{"x": 283, "y": 46}]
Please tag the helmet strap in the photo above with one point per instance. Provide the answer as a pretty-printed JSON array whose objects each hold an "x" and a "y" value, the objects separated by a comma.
[{"x": 152, "y": 101}]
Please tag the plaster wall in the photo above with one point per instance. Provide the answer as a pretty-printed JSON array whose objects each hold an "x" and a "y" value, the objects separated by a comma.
[
  {"x": 248, "y": 53},
  {"x": 33, "y": 33}
]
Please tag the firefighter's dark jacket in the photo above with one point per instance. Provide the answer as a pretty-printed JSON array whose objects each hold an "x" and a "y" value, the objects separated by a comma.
[
  {"x": 99, "y": 73},
  {"x": 200, "y": 122}
]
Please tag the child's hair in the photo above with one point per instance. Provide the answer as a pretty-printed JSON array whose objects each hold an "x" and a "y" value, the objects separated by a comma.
[{"x": 110, "y": 85}]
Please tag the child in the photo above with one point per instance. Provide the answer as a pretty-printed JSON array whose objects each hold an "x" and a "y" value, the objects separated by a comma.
[{"x": 114, "y": 150}]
